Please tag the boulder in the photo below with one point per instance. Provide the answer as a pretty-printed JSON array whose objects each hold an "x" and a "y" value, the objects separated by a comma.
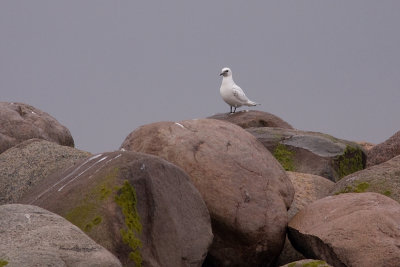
[
  {"x": 384, "y": 151},
  {"x": 307, "y": 263},
  {"x": 311, "y": 152},
  {"x": 20, "y": 122},
  {"x": 383, "y": 178},
  {"x": 252, "y": 118},
  {"x": 140, "y": 207},
  {"x": 31, "y": 161},
  {"x": 32, "y": 236},
  {"x": 246, "y": 190},
  {"x": 349, "y": 230},
  {"x": 308, "y": 188}
]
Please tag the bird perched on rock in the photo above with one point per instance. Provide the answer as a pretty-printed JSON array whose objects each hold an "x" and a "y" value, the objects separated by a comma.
[{"x": 231, "y": 93}]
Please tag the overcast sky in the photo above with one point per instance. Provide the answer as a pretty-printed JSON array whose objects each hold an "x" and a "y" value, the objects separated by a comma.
[{"x": 104, "y": 68}]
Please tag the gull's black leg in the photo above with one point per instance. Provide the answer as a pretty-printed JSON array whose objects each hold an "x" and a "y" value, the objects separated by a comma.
[
  {"x": 231, "y": 109},
  {"x": 234, "y": 110}
]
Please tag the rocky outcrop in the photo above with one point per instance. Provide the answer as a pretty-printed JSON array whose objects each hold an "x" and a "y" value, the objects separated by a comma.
[
  {"x": 307, "y": 263},
  {"x": 252, "y": 118},
  {"x": 31, "y": 161},
  {"x": 246, "y": 190},
  {"x": 20, "y": 122},
  {"x": 308, "y": 188},
  {"x": 32, "y": 236},
  {"x": 383, "y": 178},
  {"x": 349, "y": 230},
  {"x": 140, "y": 207},
  {"x": 384, "y": 151},
  {"x": 311, "y": 152}
]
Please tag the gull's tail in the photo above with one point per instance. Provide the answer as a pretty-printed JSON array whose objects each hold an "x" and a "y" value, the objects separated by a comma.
[{"x": 252, "y": 103}]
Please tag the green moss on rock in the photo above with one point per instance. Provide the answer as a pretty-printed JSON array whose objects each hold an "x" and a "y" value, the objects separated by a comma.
[
  {"x": 284, "y": 156},
  {"x": 126, "y": 199},
  {"x": 97, "y": 220},
  {"x": 387, "y": 193},
  {"x": 3, "y": 262},
  {"x": 316, "y": 263},
  {"x": 87, "y": 214},
  {"x": 359, "y": 188},
  {"x": 351, "y": 161},
  {"x": 308, "y": 263}
]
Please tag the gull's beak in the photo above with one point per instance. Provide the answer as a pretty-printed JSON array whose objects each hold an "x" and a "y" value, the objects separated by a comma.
[{"x": 221, "y": 74}]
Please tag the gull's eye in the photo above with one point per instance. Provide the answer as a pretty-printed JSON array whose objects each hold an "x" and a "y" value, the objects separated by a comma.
[{"x": 226, "y": 71}]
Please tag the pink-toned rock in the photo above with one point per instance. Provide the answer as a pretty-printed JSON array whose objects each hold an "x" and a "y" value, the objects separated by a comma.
[
  {"x": 20, "y": 122},
  {"x": 308, "y": 188},
  {"x": 252, "y": 118},
  {"x": 384, "y": 151},
  {"x": 354, "y": 229},
  {"x": 245, "y": 189}
]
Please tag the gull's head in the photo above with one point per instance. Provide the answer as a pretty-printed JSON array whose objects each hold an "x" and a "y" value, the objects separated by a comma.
[{"x": 226, "y": 72}]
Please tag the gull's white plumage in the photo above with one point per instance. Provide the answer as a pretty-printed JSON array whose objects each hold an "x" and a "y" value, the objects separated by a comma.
[{"x": 231, "y": 93}]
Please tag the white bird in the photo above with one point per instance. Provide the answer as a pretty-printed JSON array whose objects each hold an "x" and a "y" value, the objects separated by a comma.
[{"x": 231, "y": 93}]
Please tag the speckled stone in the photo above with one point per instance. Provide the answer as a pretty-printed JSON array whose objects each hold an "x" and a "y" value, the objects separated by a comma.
[
  {"x": 32, "y": 236},
  {"x": 24, "y": 165}
]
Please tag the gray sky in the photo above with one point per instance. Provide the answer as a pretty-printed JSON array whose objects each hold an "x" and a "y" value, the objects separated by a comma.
[{"x": 103, "y": 68}]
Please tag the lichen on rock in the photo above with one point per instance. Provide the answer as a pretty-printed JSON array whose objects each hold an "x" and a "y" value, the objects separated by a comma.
[
  {"x": 126, "y": 199},
  {"x": 87, "y": 215},
  {"x": 359, "y": 188},
  {"x": 3, "y": 262},
  {"x": 350, "y": 161},
  {"x": 284, "y": 156}
]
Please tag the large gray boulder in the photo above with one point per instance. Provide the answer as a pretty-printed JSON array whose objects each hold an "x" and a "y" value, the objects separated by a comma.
[
  {"x": 140, "y": 207},
  {"x": 355, "y": 229},
  {"x": 32, "y": 236},
  {"x": 20, "y": 122},
  {"x": 246, "y": 190},
  {"x": 311, "y": 152},
  {"x": 26, "y": 164}
]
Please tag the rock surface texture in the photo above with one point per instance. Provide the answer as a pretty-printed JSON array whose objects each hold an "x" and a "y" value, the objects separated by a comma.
[
  {"x": 140, "y": 207},
  {"x": 384, "y": 151},
  {"x": 355, "y": 229},
  {"x": 311, "y": 152},
  {"x": 308, "y": 188},
  {"x": 246, "y": 190},
  {"x": 20, "y": 122},
  {"x": 383, "y": 178},
  {"x": 252, "y": 118},
  {"x": 31, "y": 161},
  {"x": 32, "y": 236}
]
